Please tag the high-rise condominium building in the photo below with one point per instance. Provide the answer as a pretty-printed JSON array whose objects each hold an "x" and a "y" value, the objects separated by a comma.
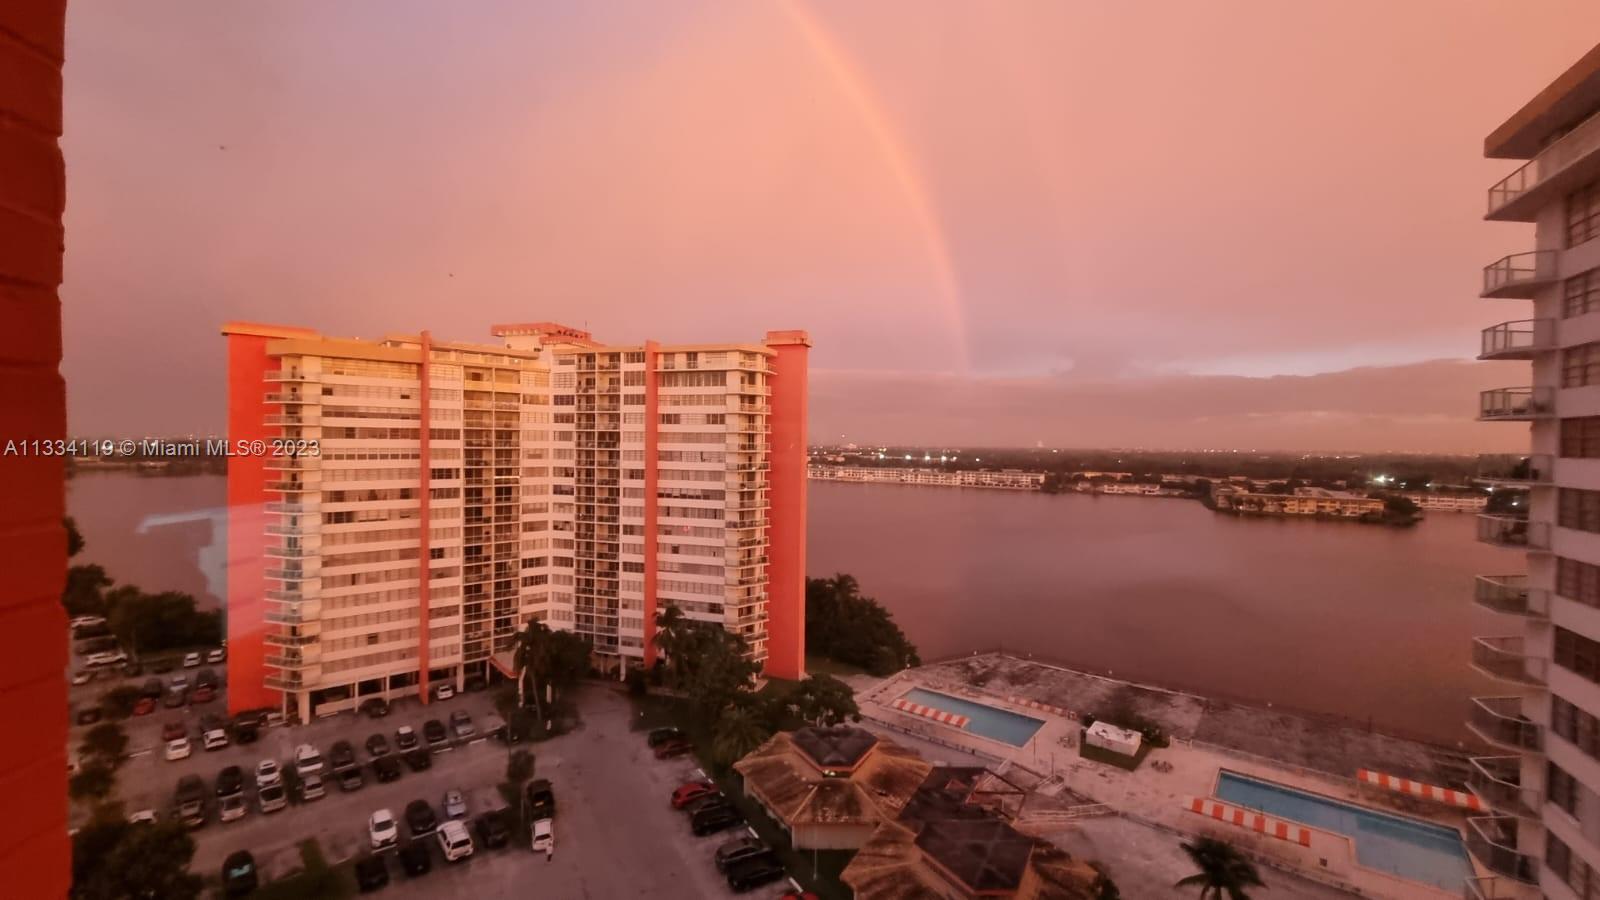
[
  {"x": 1542, "y": 784},
  {"x": 399, "y": 508}
]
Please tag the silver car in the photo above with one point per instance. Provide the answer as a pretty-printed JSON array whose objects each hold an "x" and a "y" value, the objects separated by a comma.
[{"x": 455, "y": 805}]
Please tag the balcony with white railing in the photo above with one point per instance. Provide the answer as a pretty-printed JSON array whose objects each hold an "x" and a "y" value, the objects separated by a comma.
[
  {"x": 1567, "y": 162},
  {"x": 1519, "y": 276},
  {"x": 1499, "y": 721},
  {"x": 1516, "y": 468},
  {"x": 1505, "y": 658},
  {"x": 1497, "y": 781},
  {"x": 1510, "y": 595},
  {"x": 1492, "y": 841},
  {"x": 1521, "y": 339},
  {"x": 1514, "y": 532},
  {"x": 1515, "y": 404}
]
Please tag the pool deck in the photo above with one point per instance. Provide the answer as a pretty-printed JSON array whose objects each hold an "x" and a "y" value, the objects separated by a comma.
[{"x": 1306, "y": 754}]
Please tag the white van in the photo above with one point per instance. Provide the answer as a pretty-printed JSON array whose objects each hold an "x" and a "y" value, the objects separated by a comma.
[
  {"x": 454, "y": 840},
  {"x": 544, "y": 836}
]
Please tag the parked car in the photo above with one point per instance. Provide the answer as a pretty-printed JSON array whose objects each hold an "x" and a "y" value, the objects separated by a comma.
[
  {"x": 203, "y": 694},
  {"x": 738, "y": 851},
  {"x": 176, "y": 698},
  {"x": 85, "y": 621},
  {"x": 444, "y": 691},
  {"x": 708, "y": 801},
  {"x": 231, "y": 807},
  {"x": 178, "y": 748},
  {"x": 544, "y": 836},
  {"x": 311, "y": 787},
  {"x": 377, "y": 746},
  {"x": 494, "y": 726},
  {"x": 191, "y": 660},
  {"x": 307, "y": 760},
  {"x": 341, "y": 755},
  {"x": 386, "y": 769},
  {"x": 405, "y": 738},
  {"x": 686, "y": 794},
  {"x": 190, "y": 799},
  {"x": 671, "y": 748},
  {"x": 754, "y": 873},
  {"x": 142, "y": 817},
  {"x": 659, "y": 736},
  {"x": 216, "y": 656},
  {"x": 455, "y": 805},
  {"x": 438, "y": 738},
  {"x": 272, "y": 798},
  {"x": 82, "y": 676},
  {"x": 714, "y": 819},
  {"x": 372, "y": 873},
  {"x": 461, "y": 724},
  {"x": 454, "y": 840},
  {"x": 492, "y": 829},
  {"x": 415, "y": 859},
  {"x": 245, "y": 734},
  {"x": 268, "y": 773},
  {"x": 230, "y": 781},
  {"x": 420, "y": 818},
  {"x": 89, "y": 715},
  {"x": 173, "y": 729},
  {"x": 419, "y": 759},
  {"x": 179, "y": 682},
  {"x": 206, "y": 677},
  {"x": 152, "y": 688},
  {"x": 374, "y": 707},
  {"x": 105, "y": 658},
  {"x": 214, "y": 739},
  {"x": 383, "y": 831},
  {"x": 144, "y": 706},
  {"x": 349, "y": 779},
  {"x": 239, "y": 876},
  {"x": 541, "y": 799}
]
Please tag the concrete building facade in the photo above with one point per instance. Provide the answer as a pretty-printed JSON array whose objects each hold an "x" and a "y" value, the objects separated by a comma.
[{"x": 400, "y": 508}]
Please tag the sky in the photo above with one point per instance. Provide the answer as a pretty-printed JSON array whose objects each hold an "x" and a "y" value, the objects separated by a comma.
[{"x": 1166, "y": 224}]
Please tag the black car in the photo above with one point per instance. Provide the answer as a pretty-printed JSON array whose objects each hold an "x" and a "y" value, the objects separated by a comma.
[
  {"x": 415, "y": 859},
  {"x": 349, "y": 779},
  {"x": 245, "y": 734},
  {"x": 659, "y": 736},
  {"x": 239, "y": 876},
  {"x": 377, "y": 746},
  {"x": 371, "y": 874},
  {"x": 492, "y": 829},
  {"x": 375, "y": 707},
  {"x": 341, "y": 755},
  {"x": 230, "y": 781},
  {"x": 404, "y": 738},
  {"x": 541, "y": 799},
  {"x": 709, "y": 801},
  {"x": 153, "y": 688},
  {"x": 754, "y": 873},
  {"x": 714, "y": 819},
  {"x": 206, "y": 677},
  {"x": 386, "y": 768},
  {"x": 438, "y": 738},
  {"x": 420, "y": 818},
  {"x": 418, "y": 759},
  {"x": 739, "y": 851}
]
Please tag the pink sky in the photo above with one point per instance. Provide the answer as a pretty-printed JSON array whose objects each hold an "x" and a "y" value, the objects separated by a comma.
[{"x": 1166, "y": 224}]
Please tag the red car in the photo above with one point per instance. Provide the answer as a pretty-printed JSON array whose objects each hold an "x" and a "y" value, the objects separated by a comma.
[
  {"x": 144, "y": 707},
  {"x": 205, "y": 693},
  {"x": 173, "y": 730},
  {"x": 676, "y": 747},
  {"x": 689, "y": 793},
  {"x": 797, "y": 895}
]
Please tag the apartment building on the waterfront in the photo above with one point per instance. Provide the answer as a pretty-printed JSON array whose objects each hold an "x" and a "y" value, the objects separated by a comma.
[
  {"x": 1542, "y": 783},
  {"x": 446, "y": 493},
  {"x": 1008, "y": 479}
]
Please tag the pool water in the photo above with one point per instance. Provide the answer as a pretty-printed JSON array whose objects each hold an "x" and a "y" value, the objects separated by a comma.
[
  {"x": 1409, "y": 848},
  {"x": 1001, "y": 725}
]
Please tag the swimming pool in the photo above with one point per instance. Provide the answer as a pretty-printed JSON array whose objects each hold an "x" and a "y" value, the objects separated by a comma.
[
  {"x": 1012, "y": 728},
  {"x": 1409, "y": 848}
]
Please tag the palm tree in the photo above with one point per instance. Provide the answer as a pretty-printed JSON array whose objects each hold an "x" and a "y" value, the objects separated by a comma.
[
  {"x": 531, "y": 656},
  {"x": 738, "y": 731},
  {"x": 1224, "y": 871}
]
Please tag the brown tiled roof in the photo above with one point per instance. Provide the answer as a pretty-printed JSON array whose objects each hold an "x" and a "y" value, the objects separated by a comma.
[{"x": 793, "y": 785}]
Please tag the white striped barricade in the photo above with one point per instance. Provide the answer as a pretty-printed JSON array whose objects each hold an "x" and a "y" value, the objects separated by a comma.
[
  {"x": 1283, "y": 830},
  {"x": 1447, "y": 796},
  {"x": 927, "y": 712},
  {"x": 1042, "y": 707}
]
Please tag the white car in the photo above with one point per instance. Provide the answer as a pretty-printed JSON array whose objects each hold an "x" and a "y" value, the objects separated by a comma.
[
  {"x": 267, "y": 774},
  {"x": 311, "y": 787},
  {"x": 178, "y": 749},
  {"x": 217, "y": 655},
  {"x": 231, "y": 807},
  {"x": 86, "y": 621},
  {"x": 544, "y": 836},
  {"x": 307, "y": 760},
  {"x": 109, "y": 658},
  {"x": 215, "y": 739},
  {"x": 444, "y": 692},
  {"x": 191, "y": 660},
  {"x": 454, "y": 840},
  {"x": 143, "y": 817},
  {"x": 180, "y": 682},
  {"x": 382, "y": 830},
  {"x": 82, "y": 676}
]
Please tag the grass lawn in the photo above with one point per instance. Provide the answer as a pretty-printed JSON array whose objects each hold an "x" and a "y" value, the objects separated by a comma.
[{"x": 821, "y": 665}]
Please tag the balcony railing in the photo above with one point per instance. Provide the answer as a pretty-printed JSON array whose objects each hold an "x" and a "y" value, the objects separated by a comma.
[
  {"x": 1492, "y": 840},
  {"x": 1519, "y": 195},
  {"x": 1515, "y": 404},
  {"x": 286, "y": 375},
  {"x": 1519, "y": 275},
  {"x": 1520, "y": 339},
  {"x": 1499, "y": 721},
  {"x": 1504, "y": 658},
  {"x": 1510, "y": 594},
  {"x": 1497, "y": 780},
  {"x": 1511, "y": 468},
  {"x": 1514, "y": 532}
]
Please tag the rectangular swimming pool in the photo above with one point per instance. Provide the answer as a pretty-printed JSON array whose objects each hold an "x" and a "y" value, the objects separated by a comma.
[
  {"x": 1409, "y": 848},
  {"x": 991, "y": 722}
]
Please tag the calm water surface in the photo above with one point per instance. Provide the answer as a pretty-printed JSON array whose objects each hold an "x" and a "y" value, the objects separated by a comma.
[{"x": 1326, "y": 616}]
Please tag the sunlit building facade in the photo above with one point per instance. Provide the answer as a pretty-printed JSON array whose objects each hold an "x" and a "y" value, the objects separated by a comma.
[
  {"x": 400, "y": 508},
  {"x": 1542, "y": 782}
]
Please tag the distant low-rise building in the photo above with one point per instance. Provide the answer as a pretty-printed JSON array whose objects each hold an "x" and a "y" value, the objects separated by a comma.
[
  {"x": 1302, "y": 502},
  {"x": 1430, "y": 501},
  {"x": 1008, "y": 479}
]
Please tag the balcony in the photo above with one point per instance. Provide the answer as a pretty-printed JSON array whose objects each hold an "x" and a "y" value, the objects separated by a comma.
[
  {"x": 1499, "y": 721},
  {"x": 1515, "y": 469},
  {"x": 1515, "y": 404},
  {"x": 292, "y": 487},
  {"x": 1494, "y": 888},
  {"x": 1504, "y": 659},
  {"x": 294, "y": 509},
  {"x": 286, "y": 375},
  {"x": 1492, "y": 841},
  {"x": 1520, "y": 275},
  {"x": 1564, "y": 164},
  {"x": 1497, "y": 781},
  {"x": 1510, "y": 595},
  {"x": 1514, "y": 532},
  {"x": 1520, "y": 339}
]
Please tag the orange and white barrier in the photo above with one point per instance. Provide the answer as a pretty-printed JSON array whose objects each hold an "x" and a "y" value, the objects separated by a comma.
[
  {"x": 1293, "y": 832},
  {"x": 1043, "y": 707},
  {"x": 928, "y": 712},
  {"x": 1400, "y": 785}
]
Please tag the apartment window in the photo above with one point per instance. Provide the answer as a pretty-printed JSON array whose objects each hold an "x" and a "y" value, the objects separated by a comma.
[
  {"x": 1577, "y": 654},
  {"x": 1583, "y": 214},
  {"x": 1577, "y": 874},
  {"x": 1578, "y": 581},
  {"x": 1578, "y": 509},
  {"x": 1580, "y": 365},
  {"x": 1562, "y": 788},
  {"x": 1575, "y": 726},
  {"x": 1581, "y": 294},
  {"x": 1580, "y": 437}
]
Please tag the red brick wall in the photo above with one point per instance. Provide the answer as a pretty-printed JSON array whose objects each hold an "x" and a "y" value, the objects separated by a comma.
[{"x": 34, "y": 852}]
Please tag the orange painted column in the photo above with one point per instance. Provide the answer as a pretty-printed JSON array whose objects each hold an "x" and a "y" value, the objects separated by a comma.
[
  {"x": 248, "y": 365},
  {"x": 652, "y": 466},
  {"x": 424, "y": 499},
  {"x": 786, "y": 531}
]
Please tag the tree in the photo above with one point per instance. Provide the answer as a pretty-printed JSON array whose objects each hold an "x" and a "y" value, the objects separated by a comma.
[
  {"x": 74, "y": 537},
  {"x": 1224, "y": 871},
  {"x": 118, "y": 702},
  {"x": 84, "y": 592},
  {"x": 93, "y": 781},
  {"x": 545, "y": 659},
  {"x": 843, "y": 625},
  {"x": 164, "y": 621},
  {"x": 519, "y": 767},
  {"x": 112, "y": 860},
  {"x": 824, "y": 700},
  {"x": 106, "y": 742},
  {"x": 737, "y": 732}
]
